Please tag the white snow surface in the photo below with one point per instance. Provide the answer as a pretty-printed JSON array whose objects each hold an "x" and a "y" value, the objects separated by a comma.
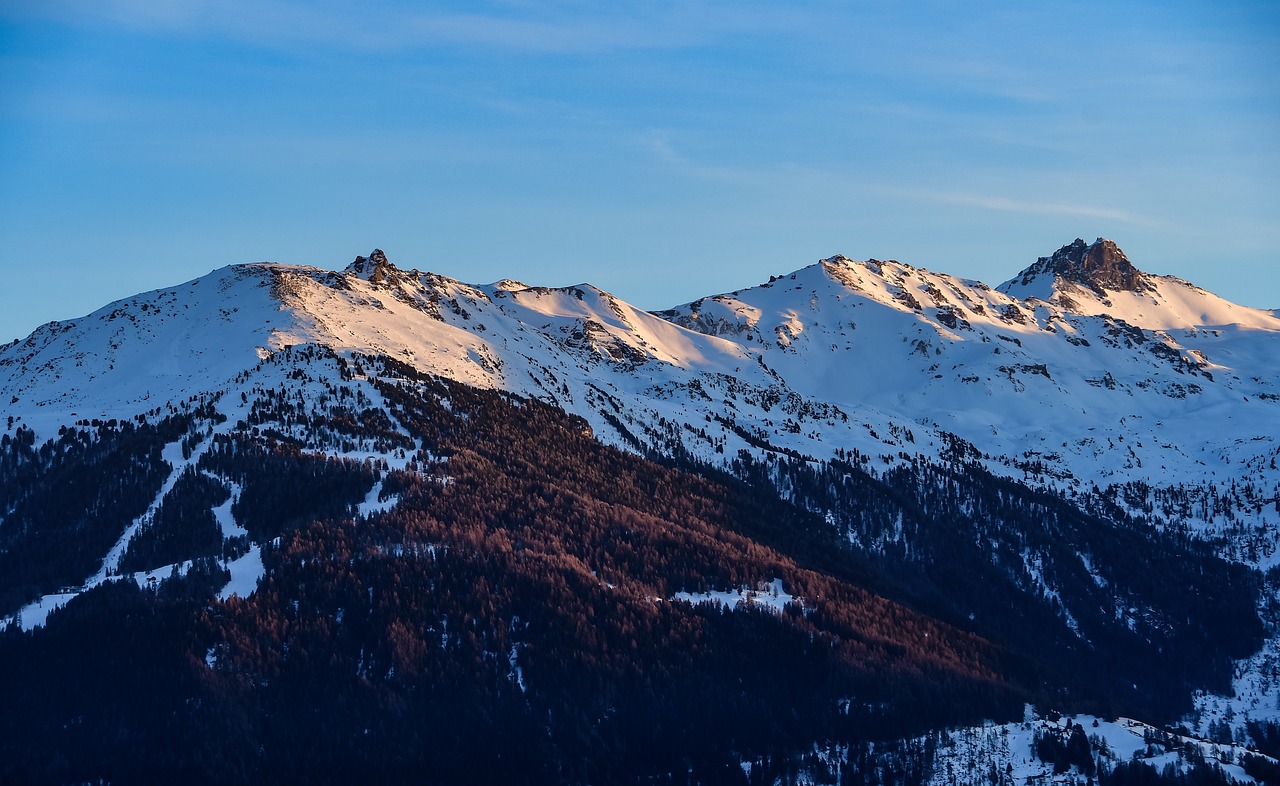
[
  {"x": 143, "y": 351},
  {"x": 246, "y": 572},
  {"x": 36, "y": 613},
  {"x": 874, "y": 356},
  {"x": 1102, "y": 393},
  {"x": 373, "y": 505},
  {"x": 1255, "y": 688},
  {"x": 1008, "y": 749},
  {"x": 770, "y": 596},
  {"x": 1173, "y": 386},
  {"x": 222, "y": 514}
]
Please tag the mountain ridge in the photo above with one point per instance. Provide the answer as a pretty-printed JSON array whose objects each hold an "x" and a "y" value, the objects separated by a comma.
[
  {"x": 901, "y": 345},
  {"x": 1033, "y": 473}
]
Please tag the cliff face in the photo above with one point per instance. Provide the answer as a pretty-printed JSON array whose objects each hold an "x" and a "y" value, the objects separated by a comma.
[{"x": 1099, "y": 265}]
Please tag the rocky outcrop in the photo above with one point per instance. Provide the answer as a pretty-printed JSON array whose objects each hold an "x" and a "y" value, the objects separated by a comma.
[{"x": 1100, "y": 266}]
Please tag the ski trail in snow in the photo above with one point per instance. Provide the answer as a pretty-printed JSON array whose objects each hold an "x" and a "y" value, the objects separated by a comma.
[
  {"x": 172, "y": 454},
  {"x": 36, "y": 613},
  {"x": 222, "y": 514},
  {"x": 246, "y": 572},
  {"x": 372, "y": 504}
]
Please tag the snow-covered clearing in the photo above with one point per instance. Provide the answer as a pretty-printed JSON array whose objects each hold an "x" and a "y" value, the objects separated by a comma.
[
  {"x": 35, "y": 613},
  {"x": 770, "y": 597},
  {"x": 246, "y": 572},
  {"x": 1008, "y": 750}
]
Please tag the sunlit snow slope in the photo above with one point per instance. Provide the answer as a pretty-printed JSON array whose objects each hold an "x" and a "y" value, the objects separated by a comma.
[
  {"x": 1082, "y": 370},
  {"x": 1166, "y": 382}
]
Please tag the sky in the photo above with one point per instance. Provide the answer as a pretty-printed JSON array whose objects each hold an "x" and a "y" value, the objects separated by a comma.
[{"x": 660, "y": 150}]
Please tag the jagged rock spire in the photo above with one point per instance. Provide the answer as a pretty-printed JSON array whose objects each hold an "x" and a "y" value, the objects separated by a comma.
[
  {"x": 1099, "y": 265},
  {"x": 374, "y": 268}
]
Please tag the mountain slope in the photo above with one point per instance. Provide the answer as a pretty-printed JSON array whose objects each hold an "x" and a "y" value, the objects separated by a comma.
[
  {"x": 896, "y": 347},
  {"x": 527, "y": 609},
  {"x": 146, "y": 350},
  {"x": 988, "y": 460},
  {"x": 1075, "y": 389},
  {"x": 1097, "y": 278}
]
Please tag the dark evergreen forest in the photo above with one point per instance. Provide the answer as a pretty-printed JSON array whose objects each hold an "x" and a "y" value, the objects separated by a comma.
[{"x": 510, "y": 621}]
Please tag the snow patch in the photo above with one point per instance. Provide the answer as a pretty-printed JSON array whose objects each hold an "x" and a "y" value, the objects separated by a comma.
[
  {"x": 771, "y": 597},
  {"x": 1009, "y": 749},
  {"x": 36, "y": 613},
  {"x": 246, "y": 572},
  {"x": 373, "y": 505}
]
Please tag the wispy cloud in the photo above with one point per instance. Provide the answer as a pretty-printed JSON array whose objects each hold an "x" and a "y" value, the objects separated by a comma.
[
  {"x": 660, "y": 145},
  {"x": 1010, "y": 205},
  {"x": 790, "y": 176}
]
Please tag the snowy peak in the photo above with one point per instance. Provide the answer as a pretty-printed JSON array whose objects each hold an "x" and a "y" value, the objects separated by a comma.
[
  {"x": 508, "y": 285},
  {"x": 375, "y": 268},
  {"x": 1100, "y": 266},
  {"x": 1097, "y": 279},
  {"x": 151, "y": 348}
]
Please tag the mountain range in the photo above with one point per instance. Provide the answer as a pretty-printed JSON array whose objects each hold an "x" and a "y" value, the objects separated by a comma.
[{"x": 591, "y": 530}]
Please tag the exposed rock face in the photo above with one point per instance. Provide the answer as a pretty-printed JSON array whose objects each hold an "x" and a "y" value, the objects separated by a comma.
[
  {"x": 375, "y": 268},
  {"x": 1100, "y": 266}
]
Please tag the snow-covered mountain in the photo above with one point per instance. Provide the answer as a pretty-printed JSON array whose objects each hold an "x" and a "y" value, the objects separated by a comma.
[
  {"x": 1092, "y": 371},
  {"x": 1080, "y": 371},
  {"x": 1156, "y": 383},
  {"x": 1119, "y": 406}
]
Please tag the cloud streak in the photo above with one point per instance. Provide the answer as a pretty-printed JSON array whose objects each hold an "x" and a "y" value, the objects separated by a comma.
[{"x": 1008, "y": 205}]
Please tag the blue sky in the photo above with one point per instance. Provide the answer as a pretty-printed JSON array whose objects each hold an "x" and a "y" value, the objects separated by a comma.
[{"x": 662, "y": 151}]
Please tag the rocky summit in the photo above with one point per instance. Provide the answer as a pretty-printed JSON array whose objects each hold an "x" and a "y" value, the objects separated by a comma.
[{"x": 1100, "y": 266}]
